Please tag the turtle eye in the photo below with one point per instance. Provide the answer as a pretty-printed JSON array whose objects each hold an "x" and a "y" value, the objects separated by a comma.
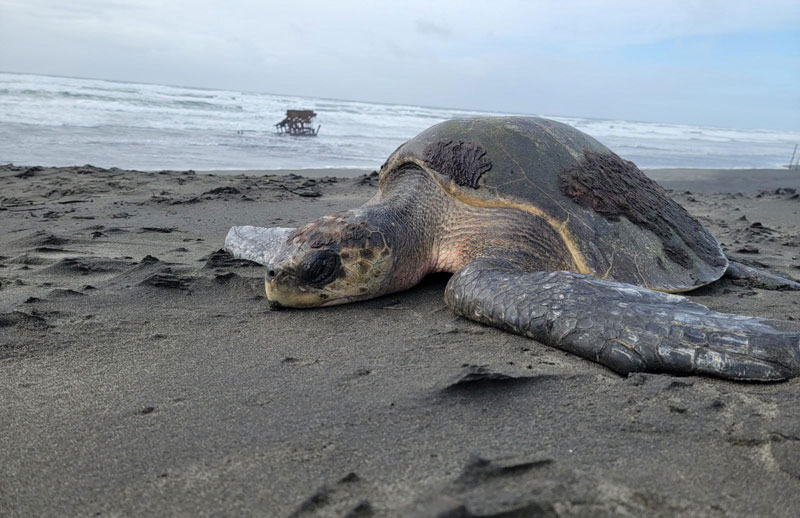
[{"x": 319, "y": 268}]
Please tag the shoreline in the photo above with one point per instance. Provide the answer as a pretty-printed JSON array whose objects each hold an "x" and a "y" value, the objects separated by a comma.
[
  {"x": 676, "y": 175},
  {"x": 750, "y": 181},
  {"x": 314, "y": 172},
  {"x": 707, "y": 180}
]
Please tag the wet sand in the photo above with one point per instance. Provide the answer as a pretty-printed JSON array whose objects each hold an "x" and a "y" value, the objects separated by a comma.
[{"x": 141, "y": 373}]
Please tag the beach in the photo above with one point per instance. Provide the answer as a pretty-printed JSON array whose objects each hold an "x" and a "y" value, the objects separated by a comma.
[{"x": 143, "y": 374}]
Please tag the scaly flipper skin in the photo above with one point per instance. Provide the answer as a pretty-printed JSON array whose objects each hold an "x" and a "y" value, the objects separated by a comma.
[
  {"x": 625, "y": 327},
  {"x": 759, "y": 278},
  {"x": 256, "y": 244}
]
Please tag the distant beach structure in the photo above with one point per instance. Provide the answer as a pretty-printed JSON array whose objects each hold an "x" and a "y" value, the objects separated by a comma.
[
  {"x": 792, "y": 164},
  {"x": 298, "y": 122}
]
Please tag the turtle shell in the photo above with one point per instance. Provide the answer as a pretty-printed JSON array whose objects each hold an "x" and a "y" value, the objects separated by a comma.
[{"x": 615, "y": 221}]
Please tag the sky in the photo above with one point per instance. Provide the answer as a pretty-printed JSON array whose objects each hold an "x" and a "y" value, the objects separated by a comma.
[{"x": 725, "y": 63}]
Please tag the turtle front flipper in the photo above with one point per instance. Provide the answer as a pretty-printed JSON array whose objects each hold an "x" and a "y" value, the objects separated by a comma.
[
  {"x": 256, "y": 244},
  {"x": 624, "y": 327}
]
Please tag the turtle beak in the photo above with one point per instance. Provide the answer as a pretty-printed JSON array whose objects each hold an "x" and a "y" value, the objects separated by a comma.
[{"x": 284, "y": 290}]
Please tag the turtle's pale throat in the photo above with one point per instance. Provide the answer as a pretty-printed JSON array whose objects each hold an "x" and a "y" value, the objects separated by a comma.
[{"x": 279, "y": 295}]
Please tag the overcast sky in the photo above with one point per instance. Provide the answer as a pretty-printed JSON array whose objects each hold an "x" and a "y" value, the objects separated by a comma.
[{"x": 723, "y": 63}]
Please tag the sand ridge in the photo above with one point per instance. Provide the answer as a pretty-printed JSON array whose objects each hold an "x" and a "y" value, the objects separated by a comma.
[{"x": 141, "y": 372}]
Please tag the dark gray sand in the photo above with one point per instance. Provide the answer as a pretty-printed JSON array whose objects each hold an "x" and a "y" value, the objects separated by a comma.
[{"x": 141, "y": 373}]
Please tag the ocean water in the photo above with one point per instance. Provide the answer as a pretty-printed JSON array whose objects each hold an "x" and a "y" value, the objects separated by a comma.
[{"x": 65, "y": 121}]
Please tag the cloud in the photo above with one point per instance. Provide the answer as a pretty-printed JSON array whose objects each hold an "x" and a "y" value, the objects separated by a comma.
[
  {"x": 428, "y": 28},
  {"x": 317, "y": 23},
  {"x": 582, "y": 57}
]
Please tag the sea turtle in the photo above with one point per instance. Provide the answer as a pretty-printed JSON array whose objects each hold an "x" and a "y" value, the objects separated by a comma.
[{"x": 548, "y": 234}]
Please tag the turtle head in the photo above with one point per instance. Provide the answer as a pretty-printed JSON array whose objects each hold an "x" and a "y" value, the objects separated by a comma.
[{"x": 332, "y": 260}]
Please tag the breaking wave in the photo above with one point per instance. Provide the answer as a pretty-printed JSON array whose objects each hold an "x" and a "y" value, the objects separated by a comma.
[{"x": 58, "y": 121}]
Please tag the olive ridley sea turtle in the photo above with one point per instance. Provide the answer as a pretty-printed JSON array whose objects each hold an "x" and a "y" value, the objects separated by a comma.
[{"x": 548, "y": 234}]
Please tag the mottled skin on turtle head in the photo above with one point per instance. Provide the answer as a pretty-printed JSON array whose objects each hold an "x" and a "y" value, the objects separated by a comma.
[{"x": 335, "y": 259}]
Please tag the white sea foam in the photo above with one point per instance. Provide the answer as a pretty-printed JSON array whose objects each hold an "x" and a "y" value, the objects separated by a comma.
[{"x": 60, "y": 121}]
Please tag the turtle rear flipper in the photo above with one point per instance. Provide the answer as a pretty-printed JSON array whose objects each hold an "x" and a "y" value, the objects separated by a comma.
[
  {"x": 256, "y": 244},
  {"x": 759, "y": 278},
  {"x": 624, "y": 327}
]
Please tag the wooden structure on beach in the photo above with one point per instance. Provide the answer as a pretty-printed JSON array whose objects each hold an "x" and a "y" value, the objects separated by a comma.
[
  {"x": 299, "y": 123},
  {"x": 792, "y": 164}
]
